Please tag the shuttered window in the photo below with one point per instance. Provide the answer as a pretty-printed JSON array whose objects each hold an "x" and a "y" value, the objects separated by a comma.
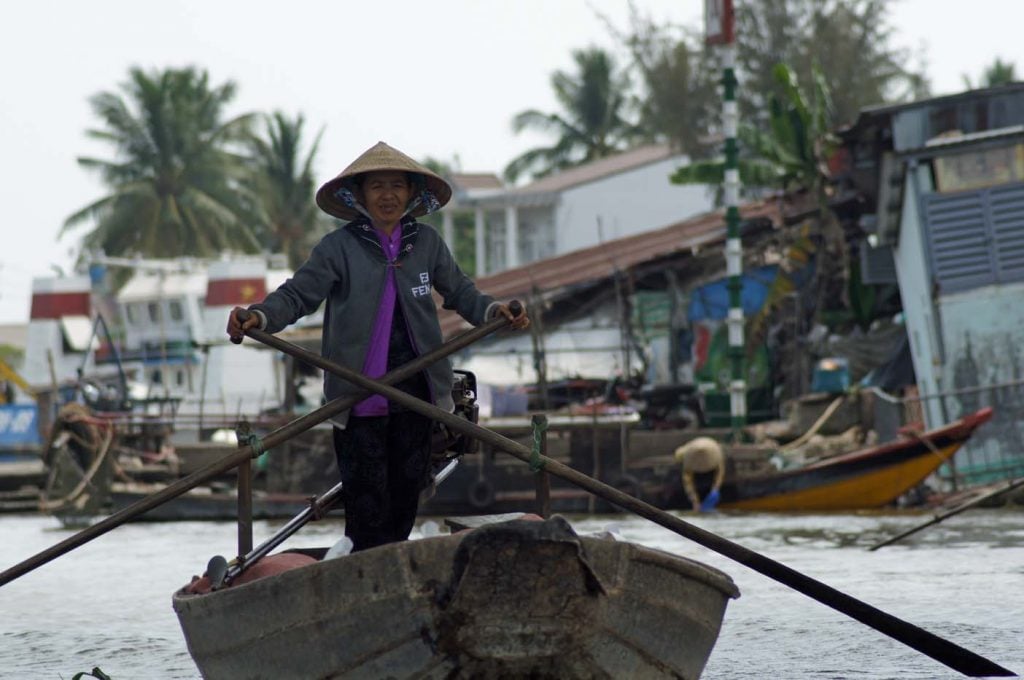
[
  {"x": 976, "y": 238},
  {"x": 1006, "y": 206}
]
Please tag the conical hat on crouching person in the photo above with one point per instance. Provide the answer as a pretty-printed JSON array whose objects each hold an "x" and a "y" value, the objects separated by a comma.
[
  {"x": 337, "y": 196},
  {"x": 701, "y": 454}
]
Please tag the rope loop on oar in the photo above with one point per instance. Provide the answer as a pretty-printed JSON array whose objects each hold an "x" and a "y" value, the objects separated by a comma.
[
  {"x": 540, "y": 426},
  {"x": 253, "y": 440},
  {"x": 246, "y": 437}
]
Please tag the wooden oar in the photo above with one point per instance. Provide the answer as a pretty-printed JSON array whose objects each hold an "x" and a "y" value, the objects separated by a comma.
[
  {"x": 244, "y": 453},
  {"x": 944, "y": 651},
  {"x": 1010, "y": 486}
]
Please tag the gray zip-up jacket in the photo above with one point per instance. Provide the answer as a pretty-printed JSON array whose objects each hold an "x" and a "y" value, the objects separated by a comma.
[{"x": 347, "y": 268}]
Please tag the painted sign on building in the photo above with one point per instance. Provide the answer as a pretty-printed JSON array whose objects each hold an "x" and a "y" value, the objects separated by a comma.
[
  {"x": 979, "y": 168},
  {"x": 18, "y": 425}
]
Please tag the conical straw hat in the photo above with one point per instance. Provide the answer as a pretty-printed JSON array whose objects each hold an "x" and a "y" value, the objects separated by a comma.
[{"x": 381, "y": 157}]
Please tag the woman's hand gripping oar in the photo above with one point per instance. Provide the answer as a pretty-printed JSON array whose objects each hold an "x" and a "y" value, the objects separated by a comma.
[
  {"x": 956, "y": 657},
  {"x": 244, "y": 453}
]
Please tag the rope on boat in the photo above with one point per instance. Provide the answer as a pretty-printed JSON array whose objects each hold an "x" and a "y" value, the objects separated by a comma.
[
  {"x": 917, "y": 433},
  {"x": 48, "y": 505},
  {"x": 822, "y": 419},
  {"x": 246, "y": 437},
  {"x": 252, "y": 440},
  {"x": 540, "y": 426}
]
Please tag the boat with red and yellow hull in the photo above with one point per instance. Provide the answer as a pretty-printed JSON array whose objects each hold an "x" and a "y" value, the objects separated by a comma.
[{"x": 860, "y": 480}]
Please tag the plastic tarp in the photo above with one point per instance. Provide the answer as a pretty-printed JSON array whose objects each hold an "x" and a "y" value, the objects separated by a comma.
[
  {"x": 711, "y": 301},
  {"x": 867, "y": 351},
  {"x": 896, "y": 370}
]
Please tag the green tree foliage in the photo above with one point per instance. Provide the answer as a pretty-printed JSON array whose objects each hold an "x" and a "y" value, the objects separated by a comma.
[
  {"x": 793, "y": 152},
  {"x": 678, "y": 100},
  {"x": 997, "y": 73},
  {"x": 792, "y": 156},
  {"x": 593, "y": 122},
  {"x": 11, "y": 354},
  {"x": 849, "y": 41},
  {"x": 177, "y": 180},
  {"x": 463, "y": 223},
  {"x": 283, "y": 186}
]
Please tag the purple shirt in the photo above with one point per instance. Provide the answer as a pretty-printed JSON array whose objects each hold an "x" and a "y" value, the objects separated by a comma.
[{"x": 376, "y": 363}]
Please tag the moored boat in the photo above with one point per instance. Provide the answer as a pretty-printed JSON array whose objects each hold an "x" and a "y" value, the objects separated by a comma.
[
  {"x": 860, "y": 480},
  {"x": 511, "y": 599}
]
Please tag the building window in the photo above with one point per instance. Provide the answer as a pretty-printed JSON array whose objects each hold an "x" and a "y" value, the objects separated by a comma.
[
  {"x": 129, "y": 314},
  {"x": 976, "y": 238},
  {"x": 154, "y": 312},
  {"x": 536, "y": 235},
  {"x": 174, "y": 307},
  {"x": 496, "y": 238}
]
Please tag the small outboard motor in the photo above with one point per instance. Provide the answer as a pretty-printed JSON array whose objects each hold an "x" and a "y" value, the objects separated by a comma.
[{"x": 447, "y": 443}]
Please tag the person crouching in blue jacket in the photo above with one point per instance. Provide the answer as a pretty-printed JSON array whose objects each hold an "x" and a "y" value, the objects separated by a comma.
[{"x": 377, "y": 273}]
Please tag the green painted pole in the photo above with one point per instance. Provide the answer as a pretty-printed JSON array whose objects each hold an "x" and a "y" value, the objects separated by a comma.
[{"x": 733, "y": 244}]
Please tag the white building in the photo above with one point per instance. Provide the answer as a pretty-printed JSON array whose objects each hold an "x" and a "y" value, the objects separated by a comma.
[{"x": 605, "y": 200}]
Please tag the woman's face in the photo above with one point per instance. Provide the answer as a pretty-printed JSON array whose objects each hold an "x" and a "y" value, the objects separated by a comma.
[{"x": 385, "y": 196}]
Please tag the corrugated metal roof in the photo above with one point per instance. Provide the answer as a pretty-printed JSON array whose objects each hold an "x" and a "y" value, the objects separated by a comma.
[
  {"x": 477, "y": 180},
  {"x": 599, "y": 169},
  {"x": 601, "y": 261}
]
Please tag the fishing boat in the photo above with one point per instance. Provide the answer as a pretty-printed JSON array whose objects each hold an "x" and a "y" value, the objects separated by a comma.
[
  {"x": 515, "y": 598},
  {"x": 869, "y": 478}
]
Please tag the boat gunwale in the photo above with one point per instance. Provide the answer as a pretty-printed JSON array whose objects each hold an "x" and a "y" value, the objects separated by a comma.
[{"x": 684, "y": 566}]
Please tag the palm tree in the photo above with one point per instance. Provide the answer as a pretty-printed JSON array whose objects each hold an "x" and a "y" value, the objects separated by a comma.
[
  {"x": 176, "y": 184},
  {"x": 678, "y": 83},
  {"x": 283, "y": 187},
  {"x": 593, "y": 123}
]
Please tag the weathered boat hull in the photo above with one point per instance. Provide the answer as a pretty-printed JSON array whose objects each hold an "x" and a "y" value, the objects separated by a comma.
[
  {"x": 860, "y": 480},
  {"x": 516, "y": 599}
]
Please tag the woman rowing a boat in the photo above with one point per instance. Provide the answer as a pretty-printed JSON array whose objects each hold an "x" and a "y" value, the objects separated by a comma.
[{"x": 377, "y": 273}]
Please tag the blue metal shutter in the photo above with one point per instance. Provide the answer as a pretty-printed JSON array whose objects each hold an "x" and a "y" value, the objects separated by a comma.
[
  {"x": 959, "y": 245},
  {"x": 1006, "y": 208}
]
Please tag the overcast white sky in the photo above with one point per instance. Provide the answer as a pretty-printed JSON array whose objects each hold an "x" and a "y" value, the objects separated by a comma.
[{"x": 440, "y": 78}]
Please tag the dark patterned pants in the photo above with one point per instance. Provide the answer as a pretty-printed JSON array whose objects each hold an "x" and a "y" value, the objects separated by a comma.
[{"x": 384, "y": 464}]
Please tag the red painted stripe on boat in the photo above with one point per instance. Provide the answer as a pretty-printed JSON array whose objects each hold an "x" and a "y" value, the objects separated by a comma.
[
  {"x": 56, "y": 305},
  {"x": 235, "y": 291}
]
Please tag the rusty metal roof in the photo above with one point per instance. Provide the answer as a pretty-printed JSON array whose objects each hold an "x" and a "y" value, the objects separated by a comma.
[{"x": 601, "y": 261}]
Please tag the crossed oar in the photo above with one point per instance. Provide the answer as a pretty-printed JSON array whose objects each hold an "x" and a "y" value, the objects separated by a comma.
[{"x": 949, "y": 653}]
